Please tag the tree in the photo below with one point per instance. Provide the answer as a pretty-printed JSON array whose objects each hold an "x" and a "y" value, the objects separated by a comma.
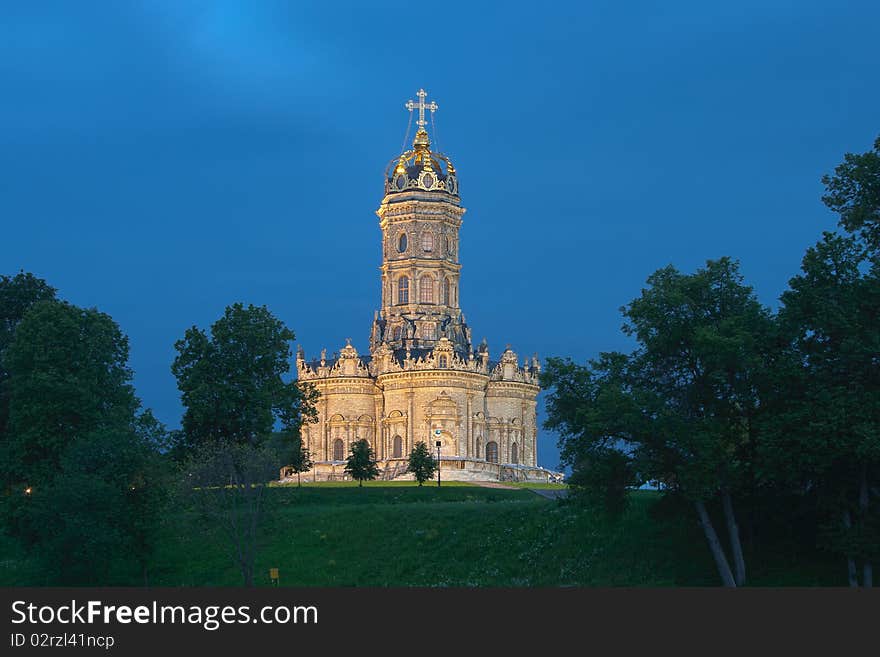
[
  {"x": 826, "y": 434},
  {"x": 232, "y": 384},
  {"x": 96, "y": 522},
  {"x": 421, "y": 463},
  {"x": 300, "y": 459},
  {"x": 854, "y": 193},
  {"x": 17, "y": 294},
  {"x": 91, "y": 465},
  {"x": 596, "y": 411},
  {"x": 361, "y": 462},
  {"x": 227, "y": 482},
  {"x": 68, "y": 377},
  {"x": 681, "y": 406}
]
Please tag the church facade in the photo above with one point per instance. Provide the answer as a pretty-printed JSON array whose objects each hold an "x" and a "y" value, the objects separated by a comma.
[{"x": 424, "y": 379}]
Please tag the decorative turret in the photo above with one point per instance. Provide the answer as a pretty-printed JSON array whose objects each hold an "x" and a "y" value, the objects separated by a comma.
[{"x": 420, "y": 217}]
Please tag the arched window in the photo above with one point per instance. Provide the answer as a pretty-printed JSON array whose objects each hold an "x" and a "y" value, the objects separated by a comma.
[
  {"x": 397, "y": 448},
  {"x": 426, "y": 290},
  {"x": 447, "y": 299},
  {"x": 403, "y": 290},
  {"x": 428, "y": 241},
  {"x": 443, "y": 362},
  {"x": 401, "y": 243},
  {"x": 395, "y": 333},
  {"x": 338, "y": 450},
  {"x": 492, "y": 451},
  {"x": 514, "y": 454}
]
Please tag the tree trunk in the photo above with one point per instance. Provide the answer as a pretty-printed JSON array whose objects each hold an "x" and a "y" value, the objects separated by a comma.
[
  {"x": 850, "y": 562},
  {"x": 739, "y": 562},
  {"x": 715, "y": 546},
  {"x": 299, "y": 482}
]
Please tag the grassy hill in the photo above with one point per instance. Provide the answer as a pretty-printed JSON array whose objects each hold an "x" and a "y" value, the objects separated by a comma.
[{"x": 396, "y": 534}]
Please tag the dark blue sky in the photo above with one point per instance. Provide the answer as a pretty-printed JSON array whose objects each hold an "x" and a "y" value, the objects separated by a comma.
[{"x": 165, "y": 160}]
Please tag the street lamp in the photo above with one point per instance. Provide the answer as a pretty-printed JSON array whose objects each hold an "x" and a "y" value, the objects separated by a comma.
[{"x": 438, "y": 443}]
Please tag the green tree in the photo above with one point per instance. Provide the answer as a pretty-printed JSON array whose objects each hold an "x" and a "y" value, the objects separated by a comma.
[
  {"x": 68, "y": 377},
  {"x": 421, "y": 463},
  {"x": 95, "y": 478},
  {"x": 96, "y": 522},
  {"x": 17, "y": 294},
  {"x": 854, "y": 193},
  {"x": 681, "y": 407},
  {"x": 597, "y": 412},
  {"x": 300, "y": 459},
  {"x": 361, "y": 462},
  {"x": 825, "y": 435},
  {"x": 232, "y": 382}
]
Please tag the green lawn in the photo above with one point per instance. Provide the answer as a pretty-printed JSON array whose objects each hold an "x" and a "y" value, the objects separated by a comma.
[{"x": 397, "y": 534}]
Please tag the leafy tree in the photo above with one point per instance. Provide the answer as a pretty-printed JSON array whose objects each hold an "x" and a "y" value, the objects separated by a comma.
[
  {"x": 300, "y": 459},
  {"x": 680, "y": 408},
  {"x": 17, "y": 294},
  {"x": 421, "y": 463},
  {"x": 595, "y": 410},
  {"x": 95, "y": 479},
  {"x": 854, "y": 193},
  {"x": 232, "y": 384},
  {"x": 68, "y": 377},
  {"x": 361, "y": 462},
  {"x": 227, "y": 482},
  {"x": 825, "y": 435},
  {"x": 96, "y": 522}
]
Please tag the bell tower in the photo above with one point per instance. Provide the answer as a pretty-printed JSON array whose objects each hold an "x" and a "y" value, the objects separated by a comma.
[{"x": 420, "y": 217}]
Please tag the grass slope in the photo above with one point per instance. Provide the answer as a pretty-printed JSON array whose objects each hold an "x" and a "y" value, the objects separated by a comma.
[{"x": 459, "y": 535}]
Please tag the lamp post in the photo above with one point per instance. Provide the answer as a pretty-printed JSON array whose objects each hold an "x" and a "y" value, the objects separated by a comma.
[{"x": 438, "y": 443}]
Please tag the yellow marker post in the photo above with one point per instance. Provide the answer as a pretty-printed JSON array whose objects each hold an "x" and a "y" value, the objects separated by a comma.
[{"x": 273, "y": 575}]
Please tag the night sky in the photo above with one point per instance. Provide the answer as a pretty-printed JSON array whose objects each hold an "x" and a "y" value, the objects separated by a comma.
[{"x": 162, "y": 160}]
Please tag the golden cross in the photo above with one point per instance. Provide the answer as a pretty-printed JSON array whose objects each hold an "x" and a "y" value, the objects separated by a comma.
[{"x": 422, "y": 105}]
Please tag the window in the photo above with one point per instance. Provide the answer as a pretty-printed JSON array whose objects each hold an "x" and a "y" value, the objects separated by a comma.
[
  {"x": 401, "y": 243},
  {"x": 428, "y": 241},
  {"x": 446, "y": 290},
  {"x": 514, "y": 455},
  {"x": 397, "y": 448},
  {"x": 450, "y": 246},
  {"x": 443, "y": 362},
  {"x": 338, "y": 450},
  {"x": 403, "y": 290},
  {"x": 492, "y": 452},
  {"x": 426, "y": 290},
  {"x": 395, "y": 333}
]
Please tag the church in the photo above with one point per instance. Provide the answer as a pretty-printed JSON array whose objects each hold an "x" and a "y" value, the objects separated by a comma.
[{"x": 424, "y": 380}]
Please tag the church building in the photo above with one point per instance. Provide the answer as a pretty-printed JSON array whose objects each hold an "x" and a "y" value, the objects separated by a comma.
[{"x": 424, "y": 379}]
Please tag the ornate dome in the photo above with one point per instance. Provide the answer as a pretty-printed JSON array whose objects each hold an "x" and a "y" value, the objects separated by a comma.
[{"x": 420, "y": 168}]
